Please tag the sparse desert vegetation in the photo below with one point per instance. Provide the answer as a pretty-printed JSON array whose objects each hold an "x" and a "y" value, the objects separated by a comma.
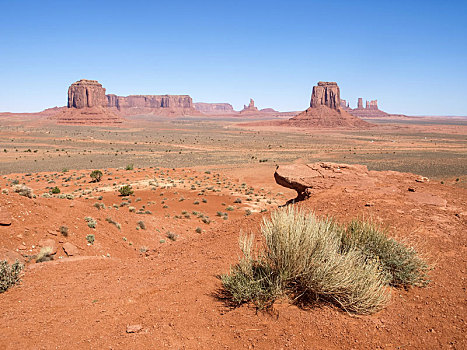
[{"x": 313, "y": 259}]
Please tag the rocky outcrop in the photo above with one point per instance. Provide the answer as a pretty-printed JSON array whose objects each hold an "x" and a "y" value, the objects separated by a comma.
[
  {"x": 86, "y": 93},
  {"x": 370, "y": 110},
  {"x": 326, "y": 94},
  {"x": 214, "y": 108},
  {"x": 325, "y": 110},
  {"x": 305, "y": 177},
  {"x": 87, "y": 105},
  {"x": 152, "y": 104},
  {"x": 250, "y": 108}
]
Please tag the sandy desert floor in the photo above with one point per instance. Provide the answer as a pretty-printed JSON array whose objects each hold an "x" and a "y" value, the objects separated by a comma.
[{"x": 197, "y": 185}]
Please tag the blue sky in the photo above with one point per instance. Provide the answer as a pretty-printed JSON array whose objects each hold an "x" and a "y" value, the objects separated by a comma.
[{"x": 410, "y": 55}]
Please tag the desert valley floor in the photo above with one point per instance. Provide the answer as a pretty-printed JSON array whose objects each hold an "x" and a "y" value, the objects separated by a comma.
[{"x": 198, "y": 183}]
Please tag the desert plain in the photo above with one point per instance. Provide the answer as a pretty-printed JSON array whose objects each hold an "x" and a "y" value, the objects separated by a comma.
[{"x": 148, "y": 278}]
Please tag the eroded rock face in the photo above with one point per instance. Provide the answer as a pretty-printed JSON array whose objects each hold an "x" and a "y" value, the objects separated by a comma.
[
  {"x": 326, "y": 94},
  {"x": 152, "y": 104},
  {"x": 87, "y": 105},
  {"x": 86, "y": 93},
  {"x": 305, "y": 177}
]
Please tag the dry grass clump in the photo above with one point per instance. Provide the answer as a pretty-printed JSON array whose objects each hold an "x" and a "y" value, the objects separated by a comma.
[
  {"x": 9, "y": 274},
  {"x": 24, "y": 191},
  {"x": 45, "y": 254},
  {"x": 312, "y": 259}
]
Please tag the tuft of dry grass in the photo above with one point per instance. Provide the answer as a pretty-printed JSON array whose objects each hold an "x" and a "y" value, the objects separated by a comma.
[
  {"x": 312, "y": 259},
  {"x": 45, "y": 254}
]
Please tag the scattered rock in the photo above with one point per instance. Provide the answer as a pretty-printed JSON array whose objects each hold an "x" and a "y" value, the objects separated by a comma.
[
  {"x": 5, "y": 217},
  {"x": 411, "y": 189},
  {"x": 134, "y": 328},
  {"x": 428, "y": 198},
  {"x": 70, "y": 249},
  {"x": 49, "y": 243},
  {"x": 10, "y": 256}
]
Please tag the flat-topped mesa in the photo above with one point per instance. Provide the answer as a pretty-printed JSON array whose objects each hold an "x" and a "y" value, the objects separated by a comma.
[
  {"x": 151, "y": 104},
  {"x": 326, "y": 94},
  {"x": 86, "y": 93},
  {"x": 214, "y": 108}
]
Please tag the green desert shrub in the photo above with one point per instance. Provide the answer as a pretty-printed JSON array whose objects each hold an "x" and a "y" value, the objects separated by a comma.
[
  {"x": 55, "y": 190},
  {"x": 125, "y": 190},
  {"x": 92, "y": 223},
  {"x": 312, "y": 259},
  {"x": 96, "y": 175},
  {"x": 9, "y": 274},
  {"x": 90, "y": 238}
]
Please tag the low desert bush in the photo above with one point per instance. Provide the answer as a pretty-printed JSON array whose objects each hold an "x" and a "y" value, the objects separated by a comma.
[
  {"x": 125, "y": 190},
  {"x": 64, "y": 231},
  {"x": 312, "y": 259},
  {"x": 9, "y": 274},
  {"x": 90, "y": 238},
  {"x": 55, "y": 190},
  {"x": 92, "y": 223},
  {"x": 96, "y": 175}
]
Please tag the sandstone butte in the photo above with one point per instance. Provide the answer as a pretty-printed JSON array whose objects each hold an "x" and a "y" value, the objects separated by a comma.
[
  {"x": 87, "y": 105},
  {"x": 325, "y": 110}
]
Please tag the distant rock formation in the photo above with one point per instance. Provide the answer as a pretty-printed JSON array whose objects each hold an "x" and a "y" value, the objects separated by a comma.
[
  {"x": 214, "y": 108},
  {"x": 325, "y": 110},
  {"x": 370, "y": 110},
  {"x": 250, "y": 108},
  {"x": 268, "y": 110},
  {"x": 86, "y": 105},
  {"x": 152, "y": 104},
  {"x": 86, "y": 93},
  {"x": 326, "y": 94}
]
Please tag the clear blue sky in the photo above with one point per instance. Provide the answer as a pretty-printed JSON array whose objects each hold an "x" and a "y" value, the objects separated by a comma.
[{"x": 410, "y": 55}]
